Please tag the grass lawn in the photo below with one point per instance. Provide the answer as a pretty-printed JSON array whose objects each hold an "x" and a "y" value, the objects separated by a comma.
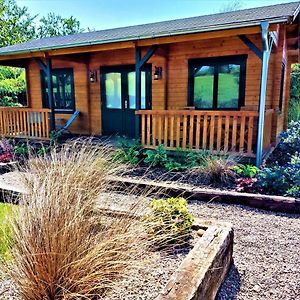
[{"x": 5, "y": 211}]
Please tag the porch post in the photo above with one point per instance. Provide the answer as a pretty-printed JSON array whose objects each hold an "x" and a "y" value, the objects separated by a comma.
[
  {"x": 50, "y": 93},
  {"x": 47, "y": 69},
  {"x": 267, "y": 47},
  {"x": 139, "y": 63},
  {"x": 138, "y": 89}
]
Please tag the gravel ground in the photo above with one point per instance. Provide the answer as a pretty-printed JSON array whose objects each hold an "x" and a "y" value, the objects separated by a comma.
[
  {"x": 266, "y": 252},
  {"x": 266, "y": 256},
  {"x": 146, "y": 284}
]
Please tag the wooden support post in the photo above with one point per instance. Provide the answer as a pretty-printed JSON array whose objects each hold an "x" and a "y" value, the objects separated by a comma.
[
  {"x": 138, "y": 89},
  {"x": 139, "y": 63},
  {"x": 47, "y": 69}
]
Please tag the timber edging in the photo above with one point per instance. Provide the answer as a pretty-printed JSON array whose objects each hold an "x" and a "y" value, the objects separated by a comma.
[
  {"x": 261, "y": 201},
  {"x": 202, "y": 272}
]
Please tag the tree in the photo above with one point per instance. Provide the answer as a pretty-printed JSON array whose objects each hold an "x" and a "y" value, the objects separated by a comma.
[
  {"x": 55, "y": 25},
  {"x": 294, "y": 102},
  {"x": 231, "y": 6},
  {"x": 16, "y": 24}
]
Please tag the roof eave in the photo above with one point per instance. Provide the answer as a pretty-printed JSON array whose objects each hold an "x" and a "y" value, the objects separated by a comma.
[{"x": 165, "y": 34}]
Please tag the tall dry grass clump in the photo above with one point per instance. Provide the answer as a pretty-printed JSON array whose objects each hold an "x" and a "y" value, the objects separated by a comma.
[{"x": 64, "y": 247}]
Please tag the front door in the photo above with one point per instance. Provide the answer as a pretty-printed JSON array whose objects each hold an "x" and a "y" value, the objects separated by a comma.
[{"x": 118, "y": 98}]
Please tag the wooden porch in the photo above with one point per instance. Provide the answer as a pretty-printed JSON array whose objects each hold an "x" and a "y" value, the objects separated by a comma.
[
  {"x": 218, "y": 131},
  {"x": 17, "y": 122}
]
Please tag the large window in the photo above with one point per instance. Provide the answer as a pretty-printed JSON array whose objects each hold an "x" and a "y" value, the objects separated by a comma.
[
  {"x": 63, "y": 90},
  {"x": 217, "y": 83}
]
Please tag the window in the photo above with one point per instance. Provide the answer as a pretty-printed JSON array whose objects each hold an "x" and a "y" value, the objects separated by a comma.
[
  {"x": 63, "y": 90},
  {"x": 217, "y": 83},
  {"x": 282, "y": 80}
]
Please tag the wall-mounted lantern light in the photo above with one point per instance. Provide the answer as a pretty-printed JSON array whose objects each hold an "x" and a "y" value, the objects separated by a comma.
[
  {"x": 157, "y": 73},
  {"x": 93, "y": 76}
]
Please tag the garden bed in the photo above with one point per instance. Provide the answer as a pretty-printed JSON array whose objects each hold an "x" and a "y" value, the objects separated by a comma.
[
  {"x": 183, "y": 274},
  {"x": 267, "y": 202}
]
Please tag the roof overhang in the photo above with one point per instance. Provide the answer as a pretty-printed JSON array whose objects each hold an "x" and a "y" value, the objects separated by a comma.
[{"x": 185, "y": 36}]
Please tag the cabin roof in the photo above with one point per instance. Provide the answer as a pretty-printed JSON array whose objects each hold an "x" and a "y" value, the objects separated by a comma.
[{"x": 281, "y": 13}]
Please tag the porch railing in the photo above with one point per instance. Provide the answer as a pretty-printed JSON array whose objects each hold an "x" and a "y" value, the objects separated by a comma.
[
  {"x": 24, "y": 122},
  {"x": 218, "y": 131}
]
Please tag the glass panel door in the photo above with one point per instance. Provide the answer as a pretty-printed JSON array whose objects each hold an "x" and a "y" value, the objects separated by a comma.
[
  {"x": 113, "y": 92},
  {"x": 118, "y": 97},
  {"x": 131, "y": 89}
]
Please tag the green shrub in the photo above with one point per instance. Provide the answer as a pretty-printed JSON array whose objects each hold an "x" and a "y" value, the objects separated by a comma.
[
  {"x": 9, "y": 102},
  {"x": 294, "y": 102},
  {"x": 281, "y": 180},
  {"x": 129, "y": 151},
  {"x": 169, "y": 221},
  {"x": 172, "y": 165},
  {"x": 156, "y": 158},
  {"x": 197, "y": 158},
  {"x": 21, "y": 149},
  {"x": 54, "y": 137},
  {"x": 248, "y": 171}
]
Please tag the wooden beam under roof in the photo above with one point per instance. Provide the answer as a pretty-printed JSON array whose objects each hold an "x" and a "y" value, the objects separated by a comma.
[{"x": 140, "y": 43}]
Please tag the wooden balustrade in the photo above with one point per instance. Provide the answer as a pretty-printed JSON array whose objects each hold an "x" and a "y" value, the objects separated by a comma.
[
  {"x": 24, "y": 122},
  {"x": 267, "y": 130},
  {"x": 218, "y": 131}
]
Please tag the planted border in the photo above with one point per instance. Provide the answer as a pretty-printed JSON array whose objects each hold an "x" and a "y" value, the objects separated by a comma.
[{"x": 267, "y": 202}]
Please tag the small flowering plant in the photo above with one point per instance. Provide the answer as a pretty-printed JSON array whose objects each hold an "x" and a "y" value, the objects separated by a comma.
[{"x": 6, "y": 153}]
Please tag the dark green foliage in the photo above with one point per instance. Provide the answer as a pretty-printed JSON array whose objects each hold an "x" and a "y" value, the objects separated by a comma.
[
  {"x": 169, "y": 222},
  {"x": 12, "y": 84},
  {"x": 290, "y": 139},
  {"x": 156, "y": 158},
  {"x": 173, "y": 165},
  {"x": 281, "y": 180},
  {"x": 294, "y": 103},
  {"x": 54, "y": 137},
  {"x": 129, "y": 151},
  {"x": 55, "y": 25},
  {"x": 21, "y": 149},
  {"x": 197, "y": 158},
  {"x": 16, "y": 23},
  {"x": 248, "y": 171}
]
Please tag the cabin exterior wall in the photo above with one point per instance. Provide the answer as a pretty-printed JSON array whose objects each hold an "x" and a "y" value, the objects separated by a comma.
[{"x": 171, "y": 92}]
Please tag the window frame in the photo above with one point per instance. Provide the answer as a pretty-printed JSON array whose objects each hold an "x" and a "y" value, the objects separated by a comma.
[
  {"x": 216, "y": 62},
  {"x": 282, "y": 84},
  {"x": 44, "y": 93}
]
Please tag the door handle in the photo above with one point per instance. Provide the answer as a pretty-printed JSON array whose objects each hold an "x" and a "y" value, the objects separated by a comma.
[{"x": 126, "y": 103}]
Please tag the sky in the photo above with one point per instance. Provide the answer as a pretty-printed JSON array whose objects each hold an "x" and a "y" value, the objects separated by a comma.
[{"x": 103, "y": 14}]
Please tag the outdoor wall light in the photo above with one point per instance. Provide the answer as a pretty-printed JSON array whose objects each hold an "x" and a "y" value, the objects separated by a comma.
[
  {"x": 93, "y": 75},
  {"x": 157, "y": 73}
]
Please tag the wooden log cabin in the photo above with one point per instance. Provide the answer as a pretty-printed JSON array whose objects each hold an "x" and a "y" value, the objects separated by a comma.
[{"x": 217, "y": 82}]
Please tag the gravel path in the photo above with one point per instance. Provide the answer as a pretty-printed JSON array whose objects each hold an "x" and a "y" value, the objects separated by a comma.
[{"x": 266, "y": 252}]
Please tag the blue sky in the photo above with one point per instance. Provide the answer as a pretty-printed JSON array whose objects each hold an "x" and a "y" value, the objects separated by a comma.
[{"x": 101, "y": 14}]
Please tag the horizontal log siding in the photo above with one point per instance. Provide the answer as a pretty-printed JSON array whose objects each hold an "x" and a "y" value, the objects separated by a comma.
[
  {"x": 170, "y": 92},
  {"x": 81, "y": 124},
  {"x": 122, "y": 57}
]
